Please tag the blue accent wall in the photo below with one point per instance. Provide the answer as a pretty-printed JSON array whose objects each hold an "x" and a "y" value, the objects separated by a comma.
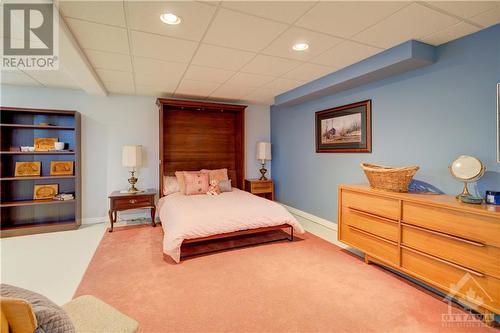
[{"x": 424, "y": 117}]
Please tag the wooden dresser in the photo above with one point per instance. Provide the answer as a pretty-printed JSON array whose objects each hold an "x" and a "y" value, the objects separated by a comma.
[{"x": 451, "y": 246}]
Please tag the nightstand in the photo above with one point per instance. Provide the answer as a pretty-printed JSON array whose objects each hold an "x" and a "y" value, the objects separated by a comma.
[
  {"x": 262, "y": 188},
  {"x": 124, "y": 201}
]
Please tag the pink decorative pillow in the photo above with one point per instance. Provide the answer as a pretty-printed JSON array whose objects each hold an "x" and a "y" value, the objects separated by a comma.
[
  {"x": 170, "y": 185},
  {"x": 216, "y": 174},
  {"x": 196, "y": 182}
]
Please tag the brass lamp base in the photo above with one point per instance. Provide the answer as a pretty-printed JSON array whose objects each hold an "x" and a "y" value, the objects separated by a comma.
[
  {"x": 132, "y": 181},
  {"x": 263, "y": 171}
]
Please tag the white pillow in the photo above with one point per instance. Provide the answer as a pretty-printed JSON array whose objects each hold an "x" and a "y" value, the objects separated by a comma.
[{"x": 170, "y": 185}]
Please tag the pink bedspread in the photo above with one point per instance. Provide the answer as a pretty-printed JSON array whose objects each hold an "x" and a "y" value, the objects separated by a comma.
[{"x": 184, "y": 217}]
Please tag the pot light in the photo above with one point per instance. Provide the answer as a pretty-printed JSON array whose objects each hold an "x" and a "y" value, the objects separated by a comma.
[
  {"x": 169, "y": 18},
  {"x": 302, "y": 46}
]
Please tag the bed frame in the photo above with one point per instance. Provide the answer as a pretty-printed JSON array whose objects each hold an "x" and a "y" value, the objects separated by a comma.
[{"x": 197, "y": 135}]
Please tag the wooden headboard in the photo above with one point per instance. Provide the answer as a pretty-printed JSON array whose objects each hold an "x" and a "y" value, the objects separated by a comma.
[{"x": 200, "y": 135}]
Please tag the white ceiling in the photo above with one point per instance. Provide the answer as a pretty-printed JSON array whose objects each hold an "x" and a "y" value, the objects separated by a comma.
[{"x": 241, "y": 51}]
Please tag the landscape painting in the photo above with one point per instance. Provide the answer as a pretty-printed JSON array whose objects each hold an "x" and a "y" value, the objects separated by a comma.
[{"x": 345, "y": 129}]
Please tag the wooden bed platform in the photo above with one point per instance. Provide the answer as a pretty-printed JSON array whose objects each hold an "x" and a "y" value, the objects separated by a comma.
[{"x": 198, "y": 135}]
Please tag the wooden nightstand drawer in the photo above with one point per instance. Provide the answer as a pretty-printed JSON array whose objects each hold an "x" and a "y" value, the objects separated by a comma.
[
  {"x": 130, "y": 203},
  {"x": 261, "y": 187}
]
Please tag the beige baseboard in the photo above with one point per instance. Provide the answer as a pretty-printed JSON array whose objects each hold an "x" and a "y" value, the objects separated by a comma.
[{"x": 317, "y": 226}]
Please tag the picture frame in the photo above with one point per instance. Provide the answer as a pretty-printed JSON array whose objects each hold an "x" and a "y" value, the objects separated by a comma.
[
  {"x": 61, "y": 168},
  {"x": 44, "y": 144},
  {"x": 498, "y": 122},
  {"x": 27, "y": 169},
  {"x": 345, "y": 129},
  {"x": 45, "y": 191}
]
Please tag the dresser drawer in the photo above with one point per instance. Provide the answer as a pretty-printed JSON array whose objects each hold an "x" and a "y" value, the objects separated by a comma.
[
  {"x": 478, "y": 228},
  {"x": 473, "y": 255},
  {"x": 131, "y": 203},
  {"x": 370, "y": 244},
  {"x": 261, "y": 187},
  {"x": 382, "y": 227},
  {"x": 445, "y": 276},
  {"x": 384, "y": 207}
]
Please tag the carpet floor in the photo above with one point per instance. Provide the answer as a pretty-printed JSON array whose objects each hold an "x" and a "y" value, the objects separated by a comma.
[{"x": 308, "y": 285}]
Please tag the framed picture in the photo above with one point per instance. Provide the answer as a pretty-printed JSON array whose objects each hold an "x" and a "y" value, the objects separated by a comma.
[
  {"x": 25, "y": 169},
  {"x": 498, "y": 122},
  {"x": 61, "y": 168},
  {"x": 47, "y": 191},
  {"x": 345, "y": 129},
  {"x": 44, "y": 144}
]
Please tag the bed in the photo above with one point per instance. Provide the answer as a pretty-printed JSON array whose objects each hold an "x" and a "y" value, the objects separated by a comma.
[
  {"x": 198, "y": 217},
  {"x": 196, "y": 135}
]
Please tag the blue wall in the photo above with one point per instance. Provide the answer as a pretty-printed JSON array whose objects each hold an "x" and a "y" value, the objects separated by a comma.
[{"x": 424, "y": 117}]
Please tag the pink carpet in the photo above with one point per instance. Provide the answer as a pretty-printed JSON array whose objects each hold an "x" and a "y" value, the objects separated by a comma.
[{"x": 307, "y": 285}]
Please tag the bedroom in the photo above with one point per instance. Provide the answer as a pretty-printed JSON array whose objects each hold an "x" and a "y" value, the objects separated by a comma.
[{"x": 305, "y": 91}]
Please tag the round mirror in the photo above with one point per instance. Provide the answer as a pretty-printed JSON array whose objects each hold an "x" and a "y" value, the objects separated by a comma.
[{"x": 467, "y": 169}]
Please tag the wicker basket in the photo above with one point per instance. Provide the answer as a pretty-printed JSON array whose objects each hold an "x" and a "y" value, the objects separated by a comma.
[{"x": 388, "y": 178}]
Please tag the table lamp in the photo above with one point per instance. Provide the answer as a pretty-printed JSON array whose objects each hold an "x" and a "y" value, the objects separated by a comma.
[
  {"x": 263, "y": 155},
  {"x": 132, "y": 158}
]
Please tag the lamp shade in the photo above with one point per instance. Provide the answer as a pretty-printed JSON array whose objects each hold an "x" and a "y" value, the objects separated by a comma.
[
  {"x": 263, "y": 151},
  {"x": 132, "y": 156}
]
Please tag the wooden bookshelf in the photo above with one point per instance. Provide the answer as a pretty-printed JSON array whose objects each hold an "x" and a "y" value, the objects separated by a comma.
[{"x": 20, "y": 214}]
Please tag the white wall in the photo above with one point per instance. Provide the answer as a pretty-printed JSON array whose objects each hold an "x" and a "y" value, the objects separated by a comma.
[{"x": 110, "y": 122}]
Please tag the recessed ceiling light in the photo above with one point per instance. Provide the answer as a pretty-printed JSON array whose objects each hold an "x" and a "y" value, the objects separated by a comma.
[
  {"x": 302, "y": 46},
  {"x": 169, "y": 18}
]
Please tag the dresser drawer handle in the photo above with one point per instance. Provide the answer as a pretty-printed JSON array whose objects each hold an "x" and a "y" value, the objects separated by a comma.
[
  {"x": 437, "y": 233},
  {"x": 443, "y": 261},
  {"x": 363, "y": 213},
  {"x": 132, "y": 201},
  {"x": 361, "y": 231}
]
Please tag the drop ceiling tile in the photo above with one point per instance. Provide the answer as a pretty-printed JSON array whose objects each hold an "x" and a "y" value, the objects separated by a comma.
[
  {"x": 318, "y": 43},
  {"x": 162, "y": 47},
  {"x": 55, "y": 79},
  {"x": 240, "y": 31},
  {"x": 107, "y": 12},
  {"x": 108, "y": 76},
  {"x": 228, "y": 91},
  {"x": 459, "y": 30},
  {"x": 260, "y": 96},
  {"x": 108, "y": 60},
  {"x": 345, "y": 54},
  {"x": 174, "y": 70},
  {"x": 280, "y": 85},
  {"x": 16, "y": 77},
  {"x": 159, "y": 82},
  {"x": 145, "y": 16},
  {"x": 221, "y": 57},
  {"x": 249, "y": 80},
  {"x": 207, "y": 74},
  {"x": 284, "y": 11},
  {"x": 151, "y": 91},
  {"x": 412, "y": 22},
  {"x": 120, "y": 87},
  {"x": 99, "y": 37},
  {"x": 347, "y": 18},
  {"x": 196, "y": 88},
  {"x": 463, "y": 9},
  {"x": 267, "y": 65},
  {"x": 488, "y": 18},
  {"x": 308, "y": 72}
]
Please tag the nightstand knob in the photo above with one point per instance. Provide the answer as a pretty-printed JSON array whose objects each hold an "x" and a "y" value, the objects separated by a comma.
[{"x": 132, "y": 201}]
